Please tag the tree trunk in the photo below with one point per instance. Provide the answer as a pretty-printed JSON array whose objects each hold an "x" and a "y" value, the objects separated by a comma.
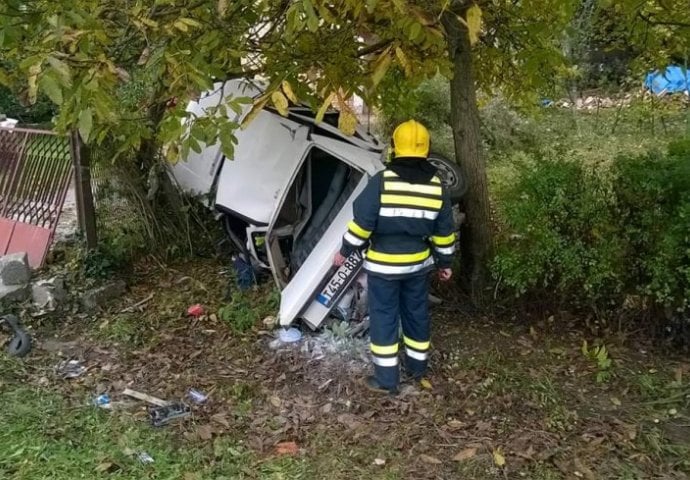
[{"x": 476, "y": 234}]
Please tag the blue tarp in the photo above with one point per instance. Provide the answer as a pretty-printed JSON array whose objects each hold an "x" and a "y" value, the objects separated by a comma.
[{"x": 673, "y": 80}]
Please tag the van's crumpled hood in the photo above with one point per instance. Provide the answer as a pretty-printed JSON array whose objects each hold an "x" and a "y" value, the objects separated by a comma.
[
  {"x": 266, "y": 155},
  {"x": 251, "y": 184}
]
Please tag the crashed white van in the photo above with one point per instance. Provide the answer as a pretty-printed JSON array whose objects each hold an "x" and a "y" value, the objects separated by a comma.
[{"x": 286, "y": 197}]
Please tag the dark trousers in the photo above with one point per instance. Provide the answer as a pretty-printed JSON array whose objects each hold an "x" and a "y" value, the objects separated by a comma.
[{"x": 389, "y": 300}]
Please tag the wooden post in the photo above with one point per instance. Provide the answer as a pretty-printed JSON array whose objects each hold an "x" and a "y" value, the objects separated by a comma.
[{"x": 86, "y": 212}]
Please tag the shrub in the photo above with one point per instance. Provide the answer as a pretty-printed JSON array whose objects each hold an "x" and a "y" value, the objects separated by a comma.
[
  {"x": 598, "y": 234},
  {"x": 557, "y": 221}
]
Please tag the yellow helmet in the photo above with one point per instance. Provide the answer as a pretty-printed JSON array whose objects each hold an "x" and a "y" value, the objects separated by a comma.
[{"x": 411, "y": 139}]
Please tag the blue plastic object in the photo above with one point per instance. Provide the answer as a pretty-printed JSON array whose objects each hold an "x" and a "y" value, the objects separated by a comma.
[{"x": 673, "y": 79}]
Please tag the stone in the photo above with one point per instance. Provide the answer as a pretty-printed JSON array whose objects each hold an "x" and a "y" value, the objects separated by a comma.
[
  {"x": 14, "y": 269},
  {"x": 47, "y": 294},
  {"x": 98, "y": 297},
  {"x": 13, "y": 293}
]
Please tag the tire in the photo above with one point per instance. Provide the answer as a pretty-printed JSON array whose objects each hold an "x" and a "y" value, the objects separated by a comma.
[
  {"x": 450, "y": 175},
  {"x": 20, "y": 345}
]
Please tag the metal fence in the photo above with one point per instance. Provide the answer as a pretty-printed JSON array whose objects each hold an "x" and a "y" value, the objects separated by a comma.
[{"x": 36, "y": 167}]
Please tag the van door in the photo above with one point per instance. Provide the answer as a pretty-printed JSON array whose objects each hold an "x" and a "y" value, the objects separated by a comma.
[{"x": 309, "y": 258}]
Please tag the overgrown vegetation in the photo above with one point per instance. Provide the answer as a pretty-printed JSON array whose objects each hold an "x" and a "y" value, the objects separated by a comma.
[{"x": 600, "y": 234}]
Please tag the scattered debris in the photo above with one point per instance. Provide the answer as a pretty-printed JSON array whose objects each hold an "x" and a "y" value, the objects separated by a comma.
[
  {"x": 195, "y": 310},
  {"x": 270, "y": 322},
  {"x": 145, "y": 397},
  {"x": 47, "y": 294},
  {"x": 289, "y": 335},
  {"x": 97, "y": 297},
  {"x": 161, "y": 416},
  {"x": 70, "y": 369},
  {"x": 196, "y": 396},
  {"x": 145, "y": 458},
  {"x": 379, "y": 462},
  {"x": 103, "y": 401}
]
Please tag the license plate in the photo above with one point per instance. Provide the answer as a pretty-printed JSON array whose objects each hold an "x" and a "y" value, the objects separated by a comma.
[{"x": 340, "y": 280}]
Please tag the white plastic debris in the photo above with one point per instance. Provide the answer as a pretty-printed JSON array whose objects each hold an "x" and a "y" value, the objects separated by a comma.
[{"x": 289, "y": 335}]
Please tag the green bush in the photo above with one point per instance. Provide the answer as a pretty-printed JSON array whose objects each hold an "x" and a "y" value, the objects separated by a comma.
[
  {"x": 598, "y": 235},
  {"x": 39, "y": 113}
]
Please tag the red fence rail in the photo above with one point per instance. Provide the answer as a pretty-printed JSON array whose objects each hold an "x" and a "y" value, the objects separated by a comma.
[{"x": 35, "y": 171}]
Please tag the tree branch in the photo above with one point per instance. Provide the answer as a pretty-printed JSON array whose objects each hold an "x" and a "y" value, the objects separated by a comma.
[
  {"x": 373, "y": 48},
  {"x": 650, "y": 21}
]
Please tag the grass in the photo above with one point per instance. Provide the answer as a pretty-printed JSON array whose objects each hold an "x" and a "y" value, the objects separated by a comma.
[{"x": 46, "y": 437}]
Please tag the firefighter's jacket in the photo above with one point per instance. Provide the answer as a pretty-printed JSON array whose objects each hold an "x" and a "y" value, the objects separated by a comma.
[{"x": 406, "y": 227}]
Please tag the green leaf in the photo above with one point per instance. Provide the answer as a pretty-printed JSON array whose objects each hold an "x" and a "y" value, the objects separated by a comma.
[
  {"x": 85, "y": 124},
  {"x": 4, "y": 79},
  {"x": 415, "y": 31},
  {"x": 52, "y": 89},
  {"x": 382, "y": 65},
  {"x": 62, "y": 68},
  {"x": 312, "y": 19}
]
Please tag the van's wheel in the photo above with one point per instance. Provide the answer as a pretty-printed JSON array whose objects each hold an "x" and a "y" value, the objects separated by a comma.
[
  {"x": 450, "y": 175},
  {"x": 20, "y": 345}
]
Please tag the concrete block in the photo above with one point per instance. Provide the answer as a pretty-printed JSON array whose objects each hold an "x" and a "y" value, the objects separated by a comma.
[
  {"x": 47, "y": 294},
  {"x": 14, "y": 269},
  {"x": 98, "y": 297}
]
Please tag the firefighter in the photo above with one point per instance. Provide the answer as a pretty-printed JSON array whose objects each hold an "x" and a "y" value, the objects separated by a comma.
[{"x": 404, "y": 219}]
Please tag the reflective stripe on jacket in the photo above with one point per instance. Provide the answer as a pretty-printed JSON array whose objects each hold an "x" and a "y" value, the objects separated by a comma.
[{"x": 407, "y": 227}]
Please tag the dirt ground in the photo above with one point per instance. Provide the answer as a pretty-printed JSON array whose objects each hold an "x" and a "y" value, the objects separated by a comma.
[{"x": 506, "y": 398}]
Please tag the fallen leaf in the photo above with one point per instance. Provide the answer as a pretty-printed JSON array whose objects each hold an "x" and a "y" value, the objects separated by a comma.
[
  {"x": 349, "y": 420},
  {"x": 455, "y": 424},
  {"x": 465, "y": 454},
  {"x": 275, "y": 401},
  {"x": 221, "y": 419},
  {"x": 379, "y": 461},
  {"x": 616, "y": 402},
  {"x": 429, "y": 459},
  {"x": 269, "y": 322},
  {"x": 581, "y": 467},
  {"x": 287, "y": 448},
  {"x": 327, "y": 408},
  {"x": 426, "y": 384},
  {"x": 499, "y": 459},
  {"x": 205, "y": 432},
  {"x": 104, "y": 467}
]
